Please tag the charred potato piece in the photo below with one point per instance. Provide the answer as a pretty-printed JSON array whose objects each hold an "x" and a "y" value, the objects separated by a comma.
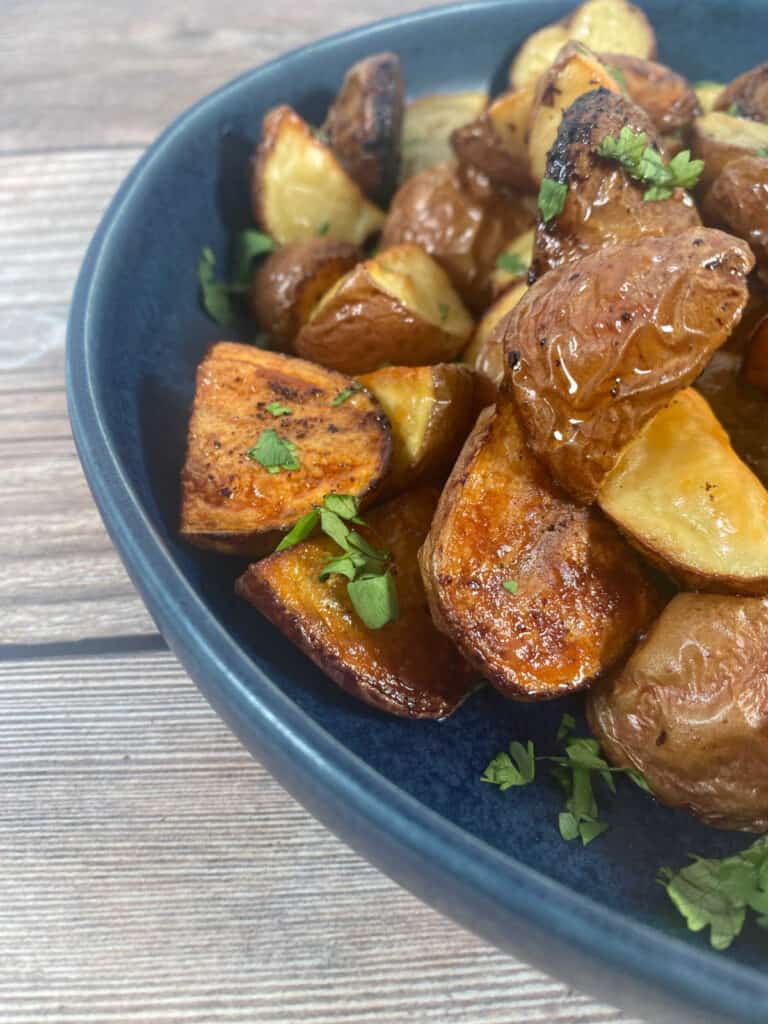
[
  {"x": 690, "y": 710},
  {"x": 292, "y": 280},
  {"x": 398, "y": 307},
  {"x": 738, "y": 202},
  {"x": 407, "y": 667},
  {"x": 580, "y": 596},
  {"x": 428, "y": 125},
  {"x": 513, "y": 264},
  {"x": 666, "y": 97},
  {"x": 719, "y": 138},
  {"x": 756, "y": 362},
  {"x": 495, "y": 142},
  {"x": 603, "y": 206},
  {"x": 234, "y": 504},
  {"x": 748, "y": 94},
  {"x": 684, "y": 498},
  {"x": 299, "y": 190},
  {"x": 596, "y": 348},
  {"x": 365, "y": 123},
  {"x": 462, "y": 222},
  {"x": 611, "y": 26},
  {"x": 485, "y": 353},
  {"x": 430, "y": 411}
]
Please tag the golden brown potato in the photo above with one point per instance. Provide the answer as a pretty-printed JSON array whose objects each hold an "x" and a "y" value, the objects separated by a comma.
[
  {"x": 292, "y": 280},
  {"x": 684, "y": 498},
  {"x": 406, "y": 668},
  {"x": 603, "y": 206},
  {"x": 460, "y": 220},
  {"x": 708, "y": 93},
  {"x": 398, "y": 307},
  {"x": 299, "y": 190},
  {"x": 596, "y": 348},
  {"x": 666, "y": 97},
  {"x": 513, "y": 264},
  {"x": 738, "y": 202},
  {"x": 230, "y": 500},
  {"x": 690, "y": 710},
  {"x": 430, "y": 411},
  {"x": 718, "y": 138},
  {"x": 495, "y": 142},
  {"x": 541, "y": 595},
  {"x": 428, "y": 125},
  {"x": 610, "y": 26},
  {"x": 485, "y": 353},
  {"x": 756, "y": 363},
  {"x": 748, "y": 94},
  {"x": 365, "y": 122}
]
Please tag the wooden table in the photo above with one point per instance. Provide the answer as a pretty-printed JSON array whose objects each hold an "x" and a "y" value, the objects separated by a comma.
[{"x": 149, "y": 869}]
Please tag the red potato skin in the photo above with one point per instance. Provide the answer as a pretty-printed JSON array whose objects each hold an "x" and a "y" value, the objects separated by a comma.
[
  {"x": 738, "y": 202},
  {"x": 665, "y": 96},
  {"x": 749, "y": 92}
]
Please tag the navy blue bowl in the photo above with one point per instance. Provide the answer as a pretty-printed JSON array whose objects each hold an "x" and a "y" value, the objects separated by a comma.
[{"x": 405, "y": 794}]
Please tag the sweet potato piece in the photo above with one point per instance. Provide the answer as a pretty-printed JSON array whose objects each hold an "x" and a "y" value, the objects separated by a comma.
[
  {"x": 428, "y": 125},
  {"x": 398, "y": 307},
  {"x": 666, "y": 97},
  {"x": 365, "y": 123},
  {"x": 299, "y": 189},
  {"x": 596, "y": 348},
  {"x": 485, "y": 353},
  {"x": 748, "y": 94},
  {"x": 232, "y": 503},
  {"x": 738, "y": 202},
  {"x": 581, "y": 596},
  {"x": 292, "y": 280},
  {"x": 719, "y": 138},
  {"x": 756, "y": 362},
  {"x": 406, "y": 668},
  {"x": 684, "y": 498},
  {"x": 495, "y": 142}
]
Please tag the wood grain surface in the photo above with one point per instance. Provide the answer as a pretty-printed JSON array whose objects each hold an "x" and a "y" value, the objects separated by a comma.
[{"x": 150, "y": 870}]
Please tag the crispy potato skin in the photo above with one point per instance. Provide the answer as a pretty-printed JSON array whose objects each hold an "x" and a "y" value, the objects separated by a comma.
[
  {"x": 406, "y": 668},
  {"x": 230, "y": 502},
  {"x": 595, "y": 349},
  {"x": 428, "y": 125},
  {"x": 462, "y": 222},
  {"x": 495, "y": 144},
  {"x": 365, "y": 123},
  {"x": 604, "y": 206},
  {"x": 718, "y": 139},
  {"x": 690, "y": 710},
  {"x": 738, "y": 202},
  {"x": 666, "y": 97},
  {"x": 756, "y": 363},
  {"x": 582, "y": 595},
  {"x": 292, "y": 280},
  {"x": 749, "y": 92}
]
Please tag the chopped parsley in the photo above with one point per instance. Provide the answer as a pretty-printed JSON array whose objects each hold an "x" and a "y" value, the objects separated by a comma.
[
  {"x": 763, "y": 152},
  {"x": 321, "y": 135},
  {"x": 734, "y": 110},
  {"x": 552, "y": 195},
  {"x": 510, "y": 586},
  {"x": 278, "y": 409},
  {"x": 219, "y": 297},
  {"x": 274, "y": 453},
  {"x": 324, "y": 228},
  {"x": 512, "y": 263},
  {"x": 445, "y": 309},
  {"x": 643, "y": 163},
  {"x": 346, "y": 393},
  {"x": 618, "y": 76}
]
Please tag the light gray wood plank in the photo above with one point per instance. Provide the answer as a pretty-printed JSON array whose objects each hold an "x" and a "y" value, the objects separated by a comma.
[{"x": 153, "y": 872}]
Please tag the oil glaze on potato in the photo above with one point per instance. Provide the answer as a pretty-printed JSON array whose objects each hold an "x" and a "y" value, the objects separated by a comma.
[
  {"x": 685, "y": 499},
  {"x": 407, "y": 667},
  {"x": 485, "y": 353},
  {"x": 594, "y": 349},
  {"x": 666, "y": 97},
  {"x": 232, "y": 503},
  {"x": 520, "y": 249},
  {"x": 718, "y": 138},
  {"x": 690, "y": 710},
  {"x": 495, "y": 141},
  {"x": 582, "y": 597},
  {"x": 738, "y": 202},
  {"x": 756, "y": 363}
]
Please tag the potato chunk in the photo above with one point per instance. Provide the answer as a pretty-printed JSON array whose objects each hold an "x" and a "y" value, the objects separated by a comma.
[
  {"x": 407, "y": 667},
  {"x": 428, "y": 125},
  {"x": 690, "y": 710},
  {"x": 485, "y": 353},
  {"x": 299, "y": 190},
  {"x": 596, "y": 348},
  {"x": 719, "y": 138},
  {"x": 579, "y": 596},
  {"x": 666, "y": 97},
  {"x": 513, "y": 264},
  {"x": 756, "y": 363},
  {"x": 748, "y": 94},
  {"x": 738, "y": 202},
  {"x": 233, "y": 503},
  {"x": 495, "y": 143},
  {"x": 686, "y": 500}
]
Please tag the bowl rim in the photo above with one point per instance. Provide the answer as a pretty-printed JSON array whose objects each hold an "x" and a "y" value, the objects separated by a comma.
[{"x": 268, "y": 721}]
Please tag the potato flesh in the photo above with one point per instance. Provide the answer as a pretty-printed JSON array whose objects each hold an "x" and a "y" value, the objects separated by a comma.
[
  {"x": 520, "y": 248},
  {"x": 428, "y": 125},
  {"x": 707, "y": 93},
  {"x": 495, "y": 143},
  {"x": 719, "y": 138},
  {"x": 683, "y": 495},
  {"x": 485, "y": 353}
]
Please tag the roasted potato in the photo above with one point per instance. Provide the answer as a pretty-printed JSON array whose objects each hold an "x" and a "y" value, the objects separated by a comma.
[
  {"x": 738, "y": 202},
  {"x": 460, "y": 220},
  {"x": 231, "y": 501},
  {"x": 594, "y": 349},
  {"x": 708, "y": 93},
  {"x": 292, "y": 280},
  {"x": 603, "y": 206},
  {"x": 428, "y": 125},
  {"x": 365, "y": 123},
  {"x": 398, "y": 307},
  {"x": 666, "y": 97},
  {"x": 756, "y": 364},
  {"x": 407, "y": 667},
  {"x": 539, "y": 594},
  {"x": 610, "y": 26},
  {"x": 719, "y": 138},
  {"x": 495, "y": 141},
  {"x": 485, "y": 353},
  {"x": 690, "y": 710},
  {"x": 684, "y": 498},
  {"x": 430, "y": 411},
  {"x": 513, "y": 264},
  {"x": 748, "y": 94},
  {"x": 299, "y": 190}
]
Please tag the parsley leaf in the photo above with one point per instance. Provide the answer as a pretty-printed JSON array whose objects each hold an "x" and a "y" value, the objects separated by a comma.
[
  {"x": 511, "y": 263},
  {"x": 278, "y": 409},
  {"x": 215, "y": 294},
  {"x": 274, "y": 452},
  {"x": 321, "y": 135},
  {"x": 552, "y": 195},
  {"x": 644, "y": 163},
  {"x": 300, "y": 531},
  {"x": 445, "y": 309},
  {"x": 510, "y": 586},
  {"x": 517, "y": 768},
  {"x": 734, "y": 110},
  {"x": 250, "y": 244},
  {"x": 374, "y": 598},
  {"x": 324, "y": 228},
  {"x": 346, "y": 393},
  {"x": 618, "y": 76},
  {"x": 343, "y": 505},
  {"x": 763, "y": 152}
]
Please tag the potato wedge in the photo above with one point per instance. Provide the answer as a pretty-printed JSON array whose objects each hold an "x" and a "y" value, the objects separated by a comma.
[
  {"x": 596, "y": 348},
  {"x": 756, "y": 364},
  {"x": 299, "y": 190},
  {"x": 689, "y": 710},
  {"x": 428, "y": 125},
  {"x": 430, "y": 409},
  {"x": 708, "y": 93},
  {"x": 580, "y": 596},
  {"x": 684, "y": 498},
  {"x": 292, "y": 280},
  {"x": 406, "y": 668},
  {"x": 718, "y": 139},
  {"x": 612, "y": 26},
  {"x": 365, "y": 122},
  {"x": 738, "y": 202},
  {"x": 495, "y": 141},
  {"x": 398, "y": 307},
  {"x": 460, "y": 220},
  {"x": 666, "y": 97},
  {"x": 575, "y": 71},
  {"x": 603, "y": 206},
  {"x": 748, "y": 94},
  {"x": 485, "y": 353},
  {"x": 233, "y": 503},
  {"x": 513, "y": 264}
]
